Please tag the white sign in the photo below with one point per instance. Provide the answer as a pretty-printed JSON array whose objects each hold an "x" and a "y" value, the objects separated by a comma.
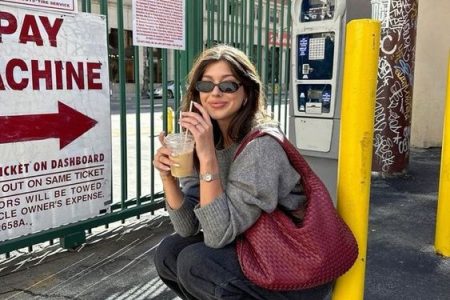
[
  {"x": 159, "y": 23},
  {"x": 55, "y": 132},
  {"x": 68, "y": 6}
]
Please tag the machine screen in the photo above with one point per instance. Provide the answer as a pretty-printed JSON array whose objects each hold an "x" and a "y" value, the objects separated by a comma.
[{"x": 317, "y": 10}]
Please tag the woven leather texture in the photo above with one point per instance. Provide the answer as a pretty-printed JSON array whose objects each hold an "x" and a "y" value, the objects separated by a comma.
[{"x": 276, "y": 254}]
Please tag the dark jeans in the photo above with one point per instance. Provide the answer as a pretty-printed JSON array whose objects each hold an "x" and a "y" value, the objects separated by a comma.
[{"x": 196, "y": 271}]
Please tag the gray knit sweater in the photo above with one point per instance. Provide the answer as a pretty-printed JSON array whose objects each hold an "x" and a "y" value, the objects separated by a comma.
[{"x": 260, "y": 178}]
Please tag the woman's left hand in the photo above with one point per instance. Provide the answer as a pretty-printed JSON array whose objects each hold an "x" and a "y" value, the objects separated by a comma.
[{"x": 201, "y": 128}]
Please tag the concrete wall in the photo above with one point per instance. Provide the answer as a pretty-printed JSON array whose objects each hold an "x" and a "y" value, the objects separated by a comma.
[{"x": 432, "y": 54}]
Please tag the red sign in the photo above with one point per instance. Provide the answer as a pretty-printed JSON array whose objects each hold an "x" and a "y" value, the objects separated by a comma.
[{"x": 284, "y": 40}]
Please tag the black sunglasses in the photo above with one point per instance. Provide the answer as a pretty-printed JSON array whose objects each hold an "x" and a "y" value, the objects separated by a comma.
[{"x": 224, "y": 86}]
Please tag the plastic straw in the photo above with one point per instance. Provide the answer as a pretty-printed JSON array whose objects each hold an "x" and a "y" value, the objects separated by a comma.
[{"x": 186, "y": 133}]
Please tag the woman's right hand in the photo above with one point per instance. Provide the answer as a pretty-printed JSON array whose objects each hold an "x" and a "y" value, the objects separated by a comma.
[{"x": 162, "y": 160}]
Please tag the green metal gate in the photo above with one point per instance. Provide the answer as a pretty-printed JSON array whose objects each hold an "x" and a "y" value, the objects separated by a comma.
[{"x": 259, "y": 28}]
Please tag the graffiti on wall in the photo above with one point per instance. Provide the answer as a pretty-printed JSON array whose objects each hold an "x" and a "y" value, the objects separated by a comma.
[{"x": 395, "y": 84}]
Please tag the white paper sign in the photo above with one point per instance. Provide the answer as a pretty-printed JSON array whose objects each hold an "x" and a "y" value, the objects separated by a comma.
[
  {"x": 68, "y": 6},
  {"x": 55, "y": 132},
  {"x": 159, "y": 23}
]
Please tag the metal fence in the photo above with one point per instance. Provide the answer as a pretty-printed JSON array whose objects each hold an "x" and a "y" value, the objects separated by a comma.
[{"x": 259, "y": 28}]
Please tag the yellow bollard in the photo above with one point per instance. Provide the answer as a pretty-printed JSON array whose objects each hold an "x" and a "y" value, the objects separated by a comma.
[
  {"x": 356, "y": 139},
  {"x": 170, "y": 116},
  {"x": 442, "y": 238}
]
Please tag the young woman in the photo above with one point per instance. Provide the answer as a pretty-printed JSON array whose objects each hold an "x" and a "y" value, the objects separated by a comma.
[{"x": 225, "y": 197}]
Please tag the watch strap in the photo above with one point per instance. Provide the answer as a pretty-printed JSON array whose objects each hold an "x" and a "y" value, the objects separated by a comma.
[{"x": 207, "y": 176}]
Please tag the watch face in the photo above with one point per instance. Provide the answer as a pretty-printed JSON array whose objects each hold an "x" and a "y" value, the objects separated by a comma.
[{"x": 208, "y": 176}]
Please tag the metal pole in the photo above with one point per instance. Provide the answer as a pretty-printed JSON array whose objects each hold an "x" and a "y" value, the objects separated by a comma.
[
  {"x": 265, "y": 75},
  {"x": 152, "y": 119},
  {"x": 209, "y": 13},
  {"x": 194, "y": 35},
  {"x": 137, "y": 91},
  {"x": 288, "y": 64},
  {"x": 259, "y": 43},
  {"x": 355, "y": 153},
  {"x": 164, "y": 88},
  {"x": 442, "y": 238},
  {"x": 392, "y": 127},
  {"x": 251, "y": 32},
  {"x": 123, "y": 105}
]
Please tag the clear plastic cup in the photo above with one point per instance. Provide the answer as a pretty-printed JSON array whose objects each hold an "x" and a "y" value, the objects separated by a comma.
[{"x": 182, "y": 147}]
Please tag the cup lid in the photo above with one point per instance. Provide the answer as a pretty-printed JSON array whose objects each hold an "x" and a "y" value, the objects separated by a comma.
[{"x": 179, "y": 138}]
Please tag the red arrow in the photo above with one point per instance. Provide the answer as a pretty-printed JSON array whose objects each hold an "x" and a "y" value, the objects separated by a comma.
[{"x": 67, "y": 125}]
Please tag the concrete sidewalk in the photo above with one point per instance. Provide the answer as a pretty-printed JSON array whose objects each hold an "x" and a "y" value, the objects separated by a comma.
[{"x": 116, "y": 263}]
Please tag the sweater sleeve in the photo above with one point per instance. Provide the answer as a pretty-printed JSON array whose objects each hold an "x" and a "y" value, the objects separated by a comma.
[
  {"x": 184, "y": 221},
  {"x": 258, "y": 178}
]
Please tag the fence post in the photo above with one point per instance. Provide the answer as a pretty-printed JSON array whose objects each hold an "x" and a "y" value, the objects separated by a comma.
[
  {"x": 355, "y": 146},
  {"x": 442, "y": 238},
  {"x": 72, "y": 240},
  {"x": 194, "y": 36}
]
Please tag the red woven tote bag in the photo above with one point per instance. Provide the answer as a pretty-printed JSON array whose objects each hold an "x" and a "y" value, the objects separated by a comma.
[{"x": 277, "y": 254}]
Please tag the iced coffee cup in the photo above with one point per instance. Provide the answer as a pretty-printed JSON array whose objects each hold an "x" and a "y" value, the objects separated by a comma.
[{"x": 182, "y": 147}]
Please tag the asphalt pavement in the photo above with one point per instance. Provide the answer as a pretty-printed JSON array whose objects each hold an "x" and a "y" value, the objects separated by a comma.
[
  {"x": 401, "y": 261},
  {"x": 116, "y": 262}
]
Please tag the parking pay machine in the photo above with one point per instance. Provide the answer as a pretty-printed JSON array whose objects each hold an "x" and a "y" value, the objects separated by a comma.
[{"x": 318, "y": 35}]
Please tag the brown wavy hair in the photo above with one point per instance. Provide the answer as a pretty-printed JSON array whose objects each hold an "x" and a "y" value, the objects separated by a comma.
[{"x": 253, "y": 112}]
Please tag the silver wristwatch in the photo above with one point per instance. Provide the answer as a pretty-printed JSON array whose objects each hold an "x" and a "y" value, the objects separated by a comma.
[{"x": 208, "y": 176}]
